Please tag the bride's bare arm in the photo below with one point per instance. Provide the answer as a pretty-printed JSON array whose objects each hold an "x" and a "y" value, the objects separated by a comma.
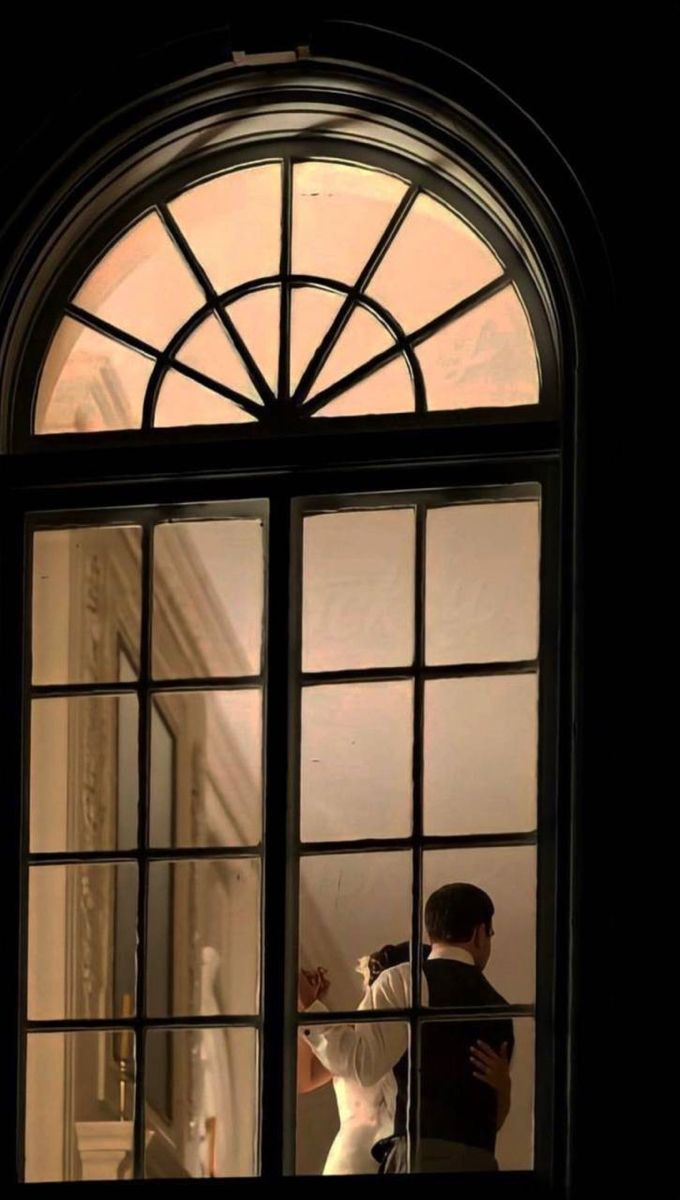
[{"x": 311, "y": 1074}]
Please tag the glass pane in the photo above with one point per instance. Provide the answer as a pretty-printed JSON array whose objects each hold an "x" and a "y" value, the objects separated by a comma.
[
  {"x": 208, "y": 598},
  {"x": 257, "y": 318},
  {"x": 388, "y": 390},
  {"x": 459, "y": 1112},
  {"x": 182, "y": 401},
  {"x": 339, "y": 213},
  {"x": 355, "y": 782},
  {"x": 350, "y": 906},
  {"x": 84, "y": 773},
  {"x": 90, "y": 383},
  {"x": 212, "y": 1126},
  {"x": 210, "y": 351},
  {"x": 358, "y": 595},
  {"x": 86, "y": 603},
  {"x": 480, "y": 754},
  {"x": 515, "y": 1141},
  {"x": 363, "y": 337},
  {"x": 435, "y": 261},
  {"x": 203, "y": 948},
  {"x": 338, "y": 1123},
  {"x": 143, "y": 285},
  {"x": 508, "y": 875},
  {"x": 80, "y": 1096},
  {"x": 233, "y": 224},
  {"x": 482, "y": 582},
  {"x": 206, "y": 768},
  {"x": 81, "y": 940},
  {"x": 484, "y": 359},
  {"x": 312, "y": 311}
]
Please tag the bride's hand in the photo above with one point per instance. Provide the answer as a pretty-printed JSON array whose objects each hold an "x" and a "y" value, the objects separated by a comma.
[
  {"x": 311, "y": 986},
  {"x": 308, "y": 988}
]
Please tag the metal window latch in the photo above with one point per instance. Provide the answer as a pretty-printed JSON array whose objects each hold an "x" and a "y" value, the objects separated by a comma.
[{"x": 244, "y": 59}]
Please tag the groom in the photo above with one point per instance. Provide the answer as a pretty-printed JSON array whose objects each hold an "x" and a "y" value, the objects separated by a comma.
[{"x": 465, "y": 1081}]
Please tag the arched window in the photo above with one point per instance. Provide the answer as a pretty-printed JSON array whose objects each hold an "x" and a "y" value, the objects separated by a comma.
[
  {"x": 292, "y": 288},
  {"x": 289, "y": 395}
]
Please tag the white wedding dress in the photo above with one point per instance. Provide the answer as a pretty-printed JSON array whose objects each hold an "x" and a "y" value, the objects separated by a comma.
[{"x": 366, "y": 1116}]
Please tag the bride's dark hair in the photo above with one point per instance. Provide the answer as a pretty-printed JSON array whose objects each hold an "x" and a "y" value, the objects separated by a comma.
[{"x": 390, "y": 956}]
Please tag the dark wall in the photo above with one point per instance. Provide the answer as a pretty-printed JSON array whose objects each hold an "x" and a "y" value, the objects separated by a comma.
[{"x": 571, "y": 78}]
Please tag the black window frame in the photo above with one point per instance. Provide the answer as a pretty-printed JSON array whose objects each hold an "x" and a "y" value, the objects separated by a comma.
[
  {"x": 65, "y": 473},
  {"x": 289, "y": 496}
]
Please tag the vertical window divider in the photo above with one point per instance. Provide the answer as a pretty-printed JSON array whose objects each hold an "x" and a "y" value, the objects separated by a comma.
[
  {"x": 142, "y": 841},
  {"x": 417, "y": 831},
  {"x": 279, "y": 898},
  {"x": 25, "y": 669}
]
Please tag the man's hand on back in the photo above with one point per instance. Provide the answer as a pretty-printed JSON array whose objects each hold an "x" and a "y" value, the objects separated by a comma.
[{"x": 493, "y": 1069}]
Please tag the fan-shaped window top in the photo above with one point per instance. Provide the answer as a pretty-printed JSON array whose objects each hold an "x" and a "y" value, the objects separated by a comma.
[{"x": 280, "y": 292}]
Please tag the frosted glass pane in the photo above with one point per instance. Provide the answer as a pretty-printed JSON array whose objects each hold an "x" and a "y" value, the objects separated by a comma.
[
  {"x": 480, "y": 754},
  {"x": 220, "y": 1066},
  {"x": 84, "y": 773},
  {"x": 143, "y": 285},
  {"x": 81, "y": 940},
  {"x": 358, "y": 592},
  {"x": 86, "y": 602},
  {"x": 90, "y": 383},
  {"x": 363, "y": 337},
  {"x": 206, "y": 768},
  {"x": 312, "y": 310},
  {"x": 387, "y": 390},
  {"x": 80, "y": 1100},
  {"x": 203, "y": 947},
  {"x": 435, "y": 261},
  {"x": 508, "y": 875},
  {"x": 233, "y": 224},
  {"x": 182, "y": 401},
  {"x": 515, "y": 1141},
  {"x": 484, "y": 359},
  {"x": 208, "y": 598},
  {"x": 350, "y": 906},
  {"x": 210, "y": 351},
  {"x": 355, "y": 781},
  {"x": 339, "y": 213},
  {"x": 257, "y": 317},
  {"x": 482, "y": 582}
]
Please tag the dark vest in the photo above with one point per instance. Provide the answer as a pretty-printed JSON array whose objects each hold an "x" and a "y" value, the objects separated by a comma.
[{"x": 454, "y": 1105}]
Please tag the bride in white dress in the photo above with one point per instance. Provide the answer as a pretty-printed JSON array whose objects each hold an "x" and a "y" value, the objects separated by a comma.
[{"x": 366, "y": 1114}]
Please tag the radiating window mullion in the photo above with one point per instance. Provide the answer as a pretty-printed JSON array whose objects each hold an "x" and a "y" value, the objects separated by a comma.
[
  {"x": 412, "y": 339},
  {"x": 100, "y": 325},
  {"x": 211, "y": 295},
  {"x": 214, "y": 385},
  {"x": 357, "y": 376},
  {"x": 286, "y": 290},
  {"x": 323, "y": 352},
  {"x": 459, "y": 310}
]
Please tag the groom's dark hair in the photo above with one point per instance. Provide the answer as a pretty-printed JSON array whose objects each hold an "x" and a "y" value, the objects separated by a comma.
[{"x": 454, "y": 911}]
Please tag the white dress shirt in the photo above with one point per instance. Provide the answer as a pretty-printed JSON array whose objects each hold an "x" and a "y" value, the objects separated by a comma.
[{"x": 366, "y": 1052}]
